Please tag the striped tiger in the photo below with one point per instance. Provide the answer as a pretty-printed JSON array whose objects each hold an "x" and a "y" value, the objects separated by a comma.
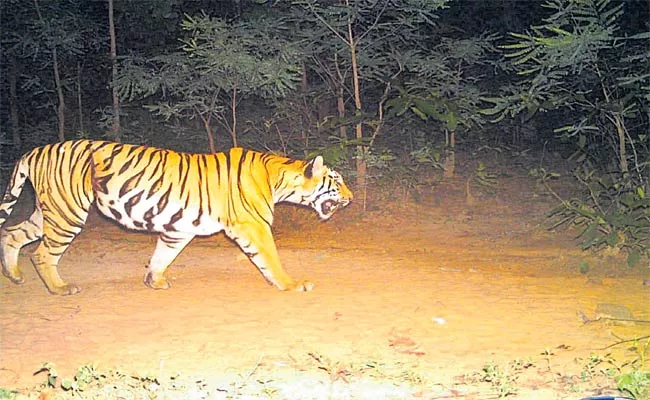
[{"x": 178, "y": 195}]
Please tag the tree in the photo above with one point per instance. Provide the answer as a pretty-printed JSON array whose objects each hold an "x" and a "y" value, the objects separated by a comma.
[
  {"x": 115, "y": 128},
  {"x": 48, "y": 40},
  {"x": 582, "y": 66},
  {"x": 220, "y": 63},
  {"x": 361, "y": 48},
  {"x": 443, "y": 85},
  {"x": 578, "y": 62}
]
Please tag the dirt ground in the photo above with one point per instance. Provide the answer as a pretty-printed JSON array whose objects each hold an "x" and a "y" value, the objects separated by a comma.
[{"x": 408, "y": 299}]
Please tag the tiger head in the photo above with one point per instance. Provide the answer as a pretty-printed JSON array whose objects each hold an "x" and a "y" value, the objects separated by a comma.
[{"x": 317, "y": 186}]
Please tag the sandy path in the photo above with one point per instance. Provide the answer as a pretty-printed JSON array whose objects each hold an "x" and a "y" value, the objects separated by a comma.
[{"x": 438, "y": 299}]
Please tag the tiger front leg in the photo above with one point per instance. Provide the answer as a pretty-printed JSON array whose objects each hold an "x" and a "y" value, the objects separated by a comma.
[
  {"x": 168, "y": 247},
  {"x": 257, "y": 242}
]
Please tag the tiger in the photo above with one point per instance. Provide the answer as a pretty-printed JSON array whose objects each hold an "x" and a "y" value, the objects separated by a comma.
[{"x": 177, "y": 195}]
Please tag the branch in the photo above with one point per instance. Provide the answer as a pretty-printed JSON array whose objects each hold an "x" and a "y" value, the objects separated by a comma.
[
  {"x": 625, "y": 341},
  {"x": 384, "y": 97},
  {"x": 374, "y": 24},
  {"x": 327, "y": 25}
]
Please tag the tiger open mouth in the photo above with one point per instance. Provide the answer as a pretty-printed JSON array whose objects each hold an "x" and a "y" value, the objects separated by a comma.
[{"x": 329, "y": 206}]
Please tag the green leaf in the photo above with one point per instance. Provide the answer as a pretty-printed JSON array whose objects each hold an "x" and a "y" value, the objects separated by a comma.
[
  {"x": 67, "y": 384},
  {"x": 589, "y": 235},
  {"x": 452, "y": 121},
  {"x": 633, "y": 258},
  {"x": 582, "y": 141},
  {"x": 644, "y": 35},
  {"x": 558, "y": 30},
  {"x": 612, "y": 239},
  {"x": 628, "y": 199},
  {"x": 419, "y": 113}
]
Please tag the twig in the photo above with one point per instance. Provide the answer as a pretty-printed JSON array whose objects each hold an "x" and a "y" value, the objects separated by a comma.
[
  {"x": 588, "y": 320},
  {"x": 250, "y": 373},
  {"x": 624, "y": 341}
]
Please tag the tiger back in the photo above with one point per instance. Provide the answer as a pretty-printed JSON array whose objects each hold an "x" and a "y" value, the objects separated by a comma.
[{"x": 178, "y": 195}]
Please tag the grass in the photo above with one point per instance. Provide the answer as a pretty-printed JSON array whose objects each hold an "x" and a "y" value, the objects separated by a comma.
[{"x": 316, "y": 376}]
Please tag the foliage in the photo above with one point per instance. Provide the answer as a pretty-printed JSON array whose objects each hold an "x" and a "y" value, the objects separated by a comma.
[
  {"x": 636, "y": 383},
  {"x": 636, "y": 379},
  {"x": 358, "y": 51},
  {"x": 221, "y": 62},
  {"x": 443, "y": 84},
  {"x": 612, "y": 214},
  {"x": 52, "y": 374},
  {"x": 503, "y": 379},
  {"x": 581, "y": 65},
  {"x": 8, "y": 394},
  {"x": 410, "y": 174},
  {"x": 46, "y": 46}
]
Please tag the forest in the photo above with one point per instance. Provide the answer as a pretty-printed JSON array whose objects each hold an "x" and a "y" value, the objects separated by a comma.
[
  {"x": 383, "y": 89},
  {"x": 421, "y": 105},
  {"x": 374, "y": 85}
]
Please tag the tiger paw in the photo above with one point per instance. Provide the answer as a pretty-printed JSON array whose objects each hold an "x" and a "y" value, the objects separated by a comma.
[
  {"x": 299, "y": 286},
  {"x": 65, "y": 290},
  {"x": 159, "y": 283},
  {"x": 15, "y": 277}
]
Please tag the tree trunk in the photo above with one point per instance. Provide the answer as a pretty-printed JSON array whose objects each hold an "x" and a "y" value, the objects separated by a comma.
[
  {"x": 233, "y": 106},
  {"x": 450, "y": 155},
  {"x": 59, "y": 91},
  {"x": 80, "y": 109},
  {"x": 208, "y": 131},
  {"x": 60, "y": 111},
  {"x": 304, "y": 88},
  {"x": 13, "y": 105},
  {"x": 115, "y": 128},
  {"x": 340, "y": 106},
  {"x": 620, "y": 129},
  {"x": 340, "y": 98},
  {"x": 361, "y": 150}
]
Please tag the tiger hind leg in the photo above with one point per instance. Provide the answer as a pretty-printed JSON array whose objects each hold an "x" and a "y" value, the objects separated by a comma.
[
  {"x": 45, "y": 260},
  {"x": 56, "y": 240},
  {"x": 169, "y": 245},
  {"x": 13, "y": 238}
]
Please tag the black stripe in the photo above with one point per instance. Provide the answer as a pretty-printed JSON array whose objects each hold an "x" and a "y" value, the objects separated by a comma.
[
  {"x": 177, "y": 216},
  {"x": 128, "y": 207}
]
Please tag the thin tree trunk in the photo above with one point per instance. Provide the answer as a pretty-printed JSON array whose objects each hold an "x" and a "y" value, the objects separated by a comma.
[
  {"x": 340, "y": 99},
  {"x": 618, "y": 122},
  {"x": 79, "y": 101},
  {"x": 59, "y": 91},
  {"x": 304, "y": 88},
  {"x": 340, "y": 106},
  {"x": 60, "y": 111},
  {"x": 361, "y": 150},
  {"x": 115, "y": 128},
  {"x": 233, "y": 107},
  {"x": 13, "y": 105},
  {"x": 208, "y": 131},
  {"x": 450, "y": 155}
]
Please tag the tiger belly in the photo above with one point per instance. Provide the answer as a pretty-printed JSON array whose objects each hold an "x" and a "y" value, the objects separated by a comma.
[{"x": 145, "y": 216}]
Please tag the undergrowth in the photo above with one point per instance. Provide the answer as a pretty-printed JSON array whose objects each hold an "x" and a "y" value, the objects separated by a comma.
[
  {"x": 613, "y": 213},
  {"x": 319, "y": 377}
]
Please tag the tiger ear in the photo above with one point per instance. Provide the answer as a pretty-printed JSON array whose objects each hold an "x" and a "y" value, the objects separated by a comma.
[{"x": 315, "y": 167}]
